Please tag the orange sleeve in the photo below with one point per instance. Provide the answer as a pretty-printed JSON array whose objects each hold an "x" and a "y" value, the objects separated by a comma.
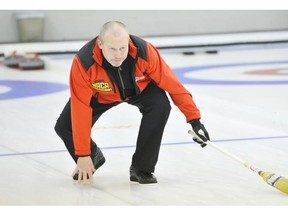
[
  {"x": 81, "y": 112},
  {"x": 166, "y": 79}
]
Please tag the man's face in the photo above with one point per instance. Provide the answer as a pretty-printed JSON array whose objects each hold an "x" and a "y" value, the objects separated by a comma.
[{"x": 115, "y": 49}]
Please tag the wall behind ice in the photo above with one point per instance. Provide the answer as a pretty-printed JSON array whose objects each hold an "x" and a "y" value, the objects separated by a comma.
[{"x": 66, "y": 25}]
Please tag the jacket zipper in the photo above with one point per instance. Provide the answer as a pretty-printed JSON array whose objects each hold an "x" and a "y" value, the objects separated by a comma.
[
  {"x": 122, "y": 83},
  {"x": 133, "y": 75}
]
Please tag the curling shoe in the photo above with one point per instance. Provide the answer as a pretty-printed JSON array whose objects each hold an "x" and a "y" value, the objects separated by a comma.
[
  {"x": 98, "y": 160},
  {"x": 141, "y": 177}
]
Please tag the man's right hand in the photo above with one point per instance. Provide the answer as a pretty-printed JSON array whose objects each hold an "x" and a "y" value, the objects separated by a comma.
[{"x": 84, "y": 167}]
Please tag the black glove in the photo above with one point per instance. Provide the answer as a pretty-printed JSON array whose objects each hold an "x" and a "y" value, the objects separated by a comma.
[{"x": 201, "y": 132}]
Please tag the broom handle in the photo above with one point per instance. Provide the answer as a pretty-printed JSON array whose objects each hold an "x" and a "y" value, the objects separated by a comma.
[{"x": 226, "y": 153}]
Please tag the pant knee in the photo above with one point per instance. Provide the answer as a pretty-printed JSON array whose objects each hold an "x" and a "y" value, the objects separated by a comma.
[
  {"x": 163, "y": 107},
  {"x": 57, "y": 129},
  {"x": 61, "y": 130},
  {"x": 166, "y": 107}
]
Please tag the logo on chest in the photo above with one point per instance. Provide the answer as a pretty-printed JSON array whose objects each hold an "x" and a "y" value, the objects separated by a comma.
[{"x": 101, "y": 86}]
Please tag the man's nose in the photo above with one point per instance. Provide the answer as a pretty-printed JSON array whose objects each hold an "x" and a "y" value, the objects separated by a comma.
[{"x": 118, "y": 53}]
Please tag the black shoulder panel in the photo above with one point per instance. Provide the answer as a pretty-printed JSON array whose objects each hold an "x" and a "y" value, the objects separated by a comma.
[
  {"x": 141, "y": 46},
  {"x": 85, "y": 54}
]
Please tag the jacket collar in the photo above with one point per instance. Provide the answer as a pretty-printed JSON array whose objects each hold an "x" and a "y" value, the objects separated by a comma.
[{"x": 98, "y": 57}]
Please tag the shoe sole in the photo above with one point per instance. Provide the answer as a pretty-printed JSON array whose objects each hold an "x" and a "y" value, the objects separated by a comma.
[{"x": 134, "y": 179}]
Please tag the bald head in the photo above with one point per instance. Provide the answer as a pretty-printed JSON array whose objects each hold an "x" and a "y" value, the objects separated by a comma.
[
  {"x": 114, "y": 42},
  {"x": 113, "y": 29}
]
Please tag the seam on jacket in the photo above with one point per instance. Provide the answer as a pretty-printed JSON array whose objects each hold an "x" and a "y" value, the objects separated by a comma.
[
  {"x": 85, "y": 54},
  {"x": 141, "y": 45}
]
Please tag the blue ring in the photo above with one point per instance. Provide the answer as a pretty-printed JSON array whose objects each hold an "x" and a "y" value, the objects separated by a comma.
[
  {"x": 191, "y": 69},
  {"x": 21, "y": 89}
]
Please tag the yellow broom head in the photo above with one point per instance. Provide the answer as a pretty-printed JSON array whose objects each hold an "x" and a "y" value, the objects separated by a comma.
[{"x": 275, "y": 180}]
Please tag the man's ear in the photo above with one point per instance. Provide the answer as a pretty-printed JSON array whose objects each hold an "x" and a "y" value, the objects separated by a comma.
[{"x": 99, "y": 42}]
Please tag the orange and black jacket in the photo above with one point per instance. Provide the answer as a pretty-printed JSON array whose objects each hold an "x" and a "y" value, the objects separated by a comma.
[{"x": 93, "y": 78}]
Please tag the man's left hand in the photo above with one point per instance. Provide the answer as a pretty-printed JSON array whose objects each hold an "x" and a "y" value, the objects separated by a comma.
[{"x": 200, "y": 131}]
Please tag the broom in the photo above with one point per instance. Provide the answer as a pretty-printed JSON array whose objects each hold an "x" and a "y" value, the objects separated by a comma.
[{"x": 276, "y": 181}]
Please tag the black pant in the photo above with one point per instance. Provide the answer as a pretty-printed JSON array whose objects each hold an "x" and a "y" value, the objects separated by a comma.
[{"x": 155, "y": 107}]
